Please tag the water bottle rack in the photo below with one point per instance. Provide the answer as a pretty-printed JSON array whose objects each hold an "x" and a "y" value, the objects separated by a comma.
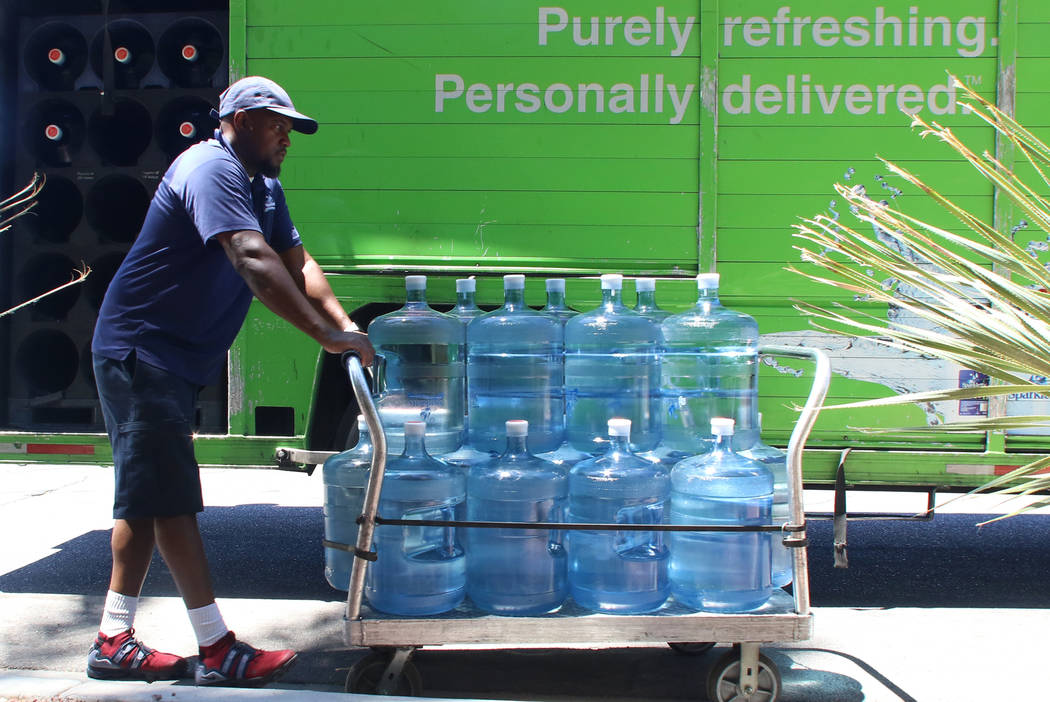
[{"x": 742, "y": 674}]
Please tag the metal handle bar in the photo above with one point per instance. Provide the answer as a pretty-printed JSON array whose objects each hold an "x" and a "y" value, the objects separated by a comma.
[
  {"x": 808, "y": 417},
  {"x": 371, "y": 505}
]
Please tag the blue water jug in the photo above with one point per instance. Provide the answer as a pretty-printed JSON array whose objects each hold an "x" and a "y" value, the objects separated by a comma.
[
  {"x": 466, "y": 456},
  {"x": 565, "y": 455},
  {"x": 516, "y": 571},
  {"x": 466, "y": 308},
  {"x": 612, "y": 369},
  {"x": 556, "y": 306},
  {"x": 418, "y": 571},
  {"x": 420, "y": 371},
  {"x": 620, "y": 572},
  {"x": 709, "y": 369},
  {"x": 514, "y": 371},
  {"x": 776, "y": 461},
  {"x": 721, "y": 571},
  {"x": 345, "y": 477},
  {"x": 646, "y": 304}
]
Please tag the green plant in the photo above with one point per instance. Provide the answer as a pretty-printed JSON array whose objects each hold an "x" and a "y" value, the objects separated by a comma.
[
  {"x": 980, "y": 301},
  {"x": 19, "y": 205}
]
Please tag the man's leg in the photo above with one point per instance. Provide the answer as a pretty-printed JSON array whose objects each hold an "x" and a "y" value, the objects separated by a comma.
[
  {"x": 179, "y": 542},
  {"x": 132, "y": 546},
  {"x": 116, "y": 653}
]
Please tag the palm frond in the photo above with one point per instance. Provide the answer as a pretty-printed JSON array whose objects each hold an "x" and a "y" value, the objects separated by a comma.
[{"x": 978, "y": 300}]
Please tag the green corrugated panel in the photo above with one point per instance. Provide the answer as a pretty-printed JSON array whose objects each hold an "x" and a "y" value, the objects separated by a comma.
[{"x": 399, "y": 177}]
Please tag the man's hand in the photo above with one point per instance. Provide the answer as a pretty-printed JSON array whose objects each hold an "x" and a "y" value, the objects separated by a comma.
[{"x": 356, "y": 341}]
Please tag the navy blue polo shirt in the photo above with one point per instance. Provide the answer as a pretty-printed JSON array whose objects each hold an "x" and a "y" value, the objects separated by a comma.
[{"x": 176, "y": 300}]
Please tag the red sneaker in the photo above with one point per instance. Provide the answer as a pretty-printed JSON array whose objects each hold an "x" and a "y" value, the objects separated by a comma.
[
  {"x": 123, "y": 657},
  {"x": 232, "y": 662}
]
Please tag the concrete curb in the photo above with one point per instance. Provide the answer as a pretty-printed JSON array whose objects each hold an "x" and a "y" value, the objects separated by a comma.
[{"x": 41, "y": 686}]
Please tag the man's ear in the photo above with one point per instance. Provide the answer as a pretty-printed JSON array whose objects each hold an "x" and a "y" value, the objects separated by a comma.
[{"x": 242, "y": 121}]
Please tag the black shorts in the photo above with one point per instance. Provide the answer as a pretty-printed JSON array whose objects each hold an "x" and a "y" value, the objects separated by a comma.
[{"x": 149, "y": 418}]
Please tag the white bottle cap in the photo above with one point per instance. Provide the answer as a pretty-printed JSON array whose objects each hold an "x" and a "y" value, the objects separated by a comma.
[
  {"x": 722, "y": 426},
  {"x": 466, "y": 285},
  {"x": 645, "y": 284},
  {"x": 707, "y": 281},
  {"x": 620, "y": 427},
  {"x": 514, "y": 281},
  {"x": 556, "y": 285},
  {"x": 415, "y": 429},
  {"x": 415, "y": 282},
  {"x": 517, "y": 427},
  {"x": 612, "y": 281}
]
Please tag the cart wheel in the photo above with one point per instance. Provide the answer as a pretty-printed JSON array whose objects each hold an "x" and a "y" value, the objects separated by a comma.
[
  {"x": 366, "y": 675},
  {"x": 723, "y": 682},
  {"x": 691, "y": 649}
]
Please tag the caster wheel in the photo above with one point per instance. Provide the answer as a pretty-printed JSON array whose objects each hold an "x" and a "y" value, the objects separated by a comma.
[
  {"x": 691, "y": 649},
  {"x": 723, "y": 682},
  {"x": 366, "y": 676}
]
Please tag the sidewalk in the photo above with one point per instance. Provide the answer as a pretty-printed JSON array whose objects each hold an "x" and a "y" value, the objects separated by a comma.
[
  {"x": 21, "y": 685},
  {"x": 50, "y": 614},
  {"x": 856, "y": 655}
]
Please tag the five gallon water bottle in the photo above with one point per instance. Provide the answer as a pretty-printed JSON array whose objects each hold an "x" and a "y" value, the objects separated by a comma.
[
  {"x": 345, "y": 479},
  {"x": 721, "y": 571},
  {"x": 618, "y": 571},
  {"x": 776, "y": 461},
  {"x": 611, "y": 370},
  {"x": 516, "y": 571},
  {"x": 420, "y": 570},
  {"x": 466, "y": 308},
  {"x": 646, "y": 305},
  {"x": 514, "y": 371},
  {"x": 466, "y": 456},
  {"x": 556, "y": 306},
  {"x": 420, "y": 370},
  {"x": 565, "y": 455},
  {"x": 709, "y": 369}
]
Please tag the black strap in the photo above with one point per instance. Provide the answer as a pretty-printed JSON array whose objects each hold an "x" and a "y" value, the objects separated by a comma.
[
  {"x": 841, "y": 558},
  {"x": 367, "y": 555}
]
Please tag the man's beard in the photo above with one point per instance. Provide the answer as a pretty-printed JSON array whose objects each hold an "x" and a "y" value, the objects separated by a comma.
[{"x": 270, "y": 169}]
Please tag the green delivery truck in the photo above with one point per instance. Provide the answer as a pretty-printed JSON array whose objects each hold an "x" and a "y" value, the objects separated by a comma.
[{"x": 555, "y": 138}]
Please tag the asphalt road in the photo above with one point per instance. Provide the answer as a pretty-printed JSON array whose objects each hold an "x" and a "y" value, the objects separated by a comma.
[
  {"x": 917, "y": 587},
  {"x": 945, "y": 562}
]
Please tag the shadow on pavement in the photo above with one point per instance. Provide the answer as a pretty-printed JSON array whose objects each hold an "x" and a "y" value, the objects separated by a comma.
[
  {"x": 254, "y": 551},
  {"x": 267, "y": 551}
]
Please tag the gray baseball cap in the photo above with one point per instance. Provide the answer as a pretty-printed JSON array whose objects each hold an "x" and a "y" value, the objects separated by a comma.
[{"x": 256, "y": 92}]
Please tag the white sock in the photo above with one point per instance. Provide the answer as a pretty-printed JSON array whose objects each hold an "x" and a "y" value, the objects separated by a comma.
[
  {"x": 208, "y": 624},
  {"x": 119, "y": 614}
]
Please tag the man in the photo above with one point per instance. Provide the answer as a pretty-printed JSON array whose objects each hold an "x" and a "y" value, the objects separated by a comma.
[{"x": 217, "y": 232}]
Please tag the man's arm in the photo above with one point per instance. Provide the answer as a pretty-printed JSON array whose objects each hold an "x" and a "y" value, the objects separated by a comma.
[
  {"x": 269, "y": 279},
  {"x": 307, "y": 274}
]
